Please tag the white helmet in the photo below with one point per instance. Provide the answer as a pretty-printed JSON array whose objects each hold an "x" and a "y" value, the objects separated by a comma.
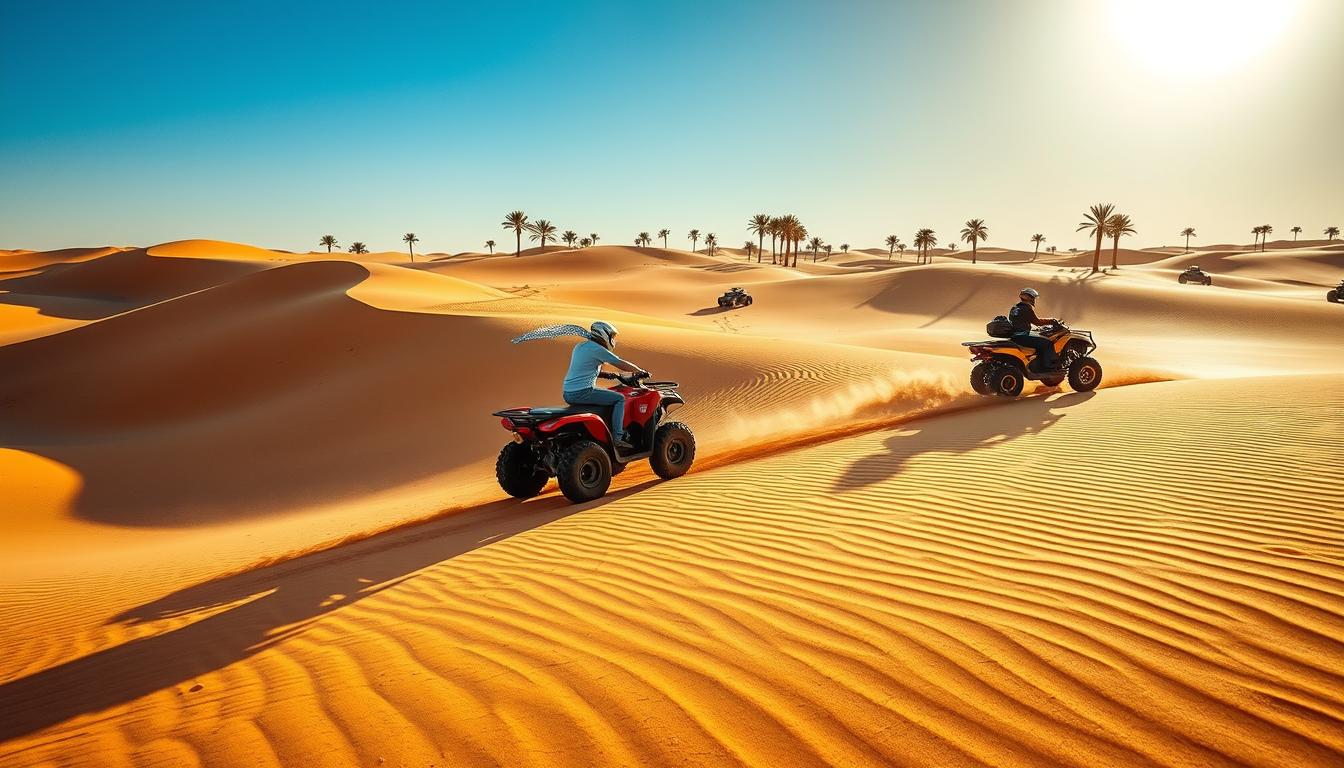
[
  {"x": 1030, "y": 292},
  {"x": 604, "y": 333}
]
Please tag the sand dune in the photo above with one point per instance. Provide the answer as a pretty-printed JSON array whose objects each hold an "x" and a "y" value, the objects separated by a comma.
[
  {"x": 871, "y": 604},
  {"x": 881, "y": 595}
]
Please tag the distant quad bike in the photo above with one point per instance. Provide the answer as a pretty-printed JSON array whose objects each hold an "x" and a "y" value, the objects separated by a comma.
[
  {"x": 574, "y": 445},
  {"x": 1195, "y": 275},
  {"x": 1336, "y": 295},
  {"x": 733, "y": 298},
  {"x": 1003, "y": 368}
]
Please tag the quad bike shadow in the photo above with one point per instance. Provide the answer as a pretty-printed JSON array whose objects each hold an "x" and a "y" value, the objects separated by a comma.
[{"x": 957, "y": 434}]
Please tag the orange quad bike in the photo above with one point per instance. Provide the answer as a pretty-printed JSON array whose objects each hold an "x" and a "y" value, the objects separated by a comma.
[{"x": 1003, "y": 368}]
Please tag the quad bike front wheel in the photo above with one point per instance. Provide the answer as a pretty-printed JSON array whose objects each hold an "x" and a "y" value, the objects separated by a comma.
[
  {"x": 1004, "y": 380},
  {"x": 1181, "y": 279},
  {"x": 978, "y": 382},
  {"x": 1332, "y": 296},
  {"x": 1084, "y": 374},
  {"x": 584, "y": 471},
  {"x": 673, "y": 450},
  {"x": 518, "y": 472}
]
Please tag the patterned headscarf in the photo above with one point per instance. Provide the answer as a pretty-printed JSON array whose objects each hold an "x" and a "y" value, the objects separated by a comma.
[{"x": 554, "y": 332}]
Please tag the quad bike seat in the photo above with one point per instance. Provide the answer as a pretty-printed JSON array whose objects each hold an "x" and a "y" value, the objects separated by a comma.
[
  {"x": 999, "y": 343},
  {"x": 555, "y": 411}
]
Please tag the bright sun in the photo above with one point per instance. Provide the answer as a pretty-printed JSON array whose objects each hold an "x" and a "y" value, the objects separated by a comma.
[{"x": 1199, "y": 38}]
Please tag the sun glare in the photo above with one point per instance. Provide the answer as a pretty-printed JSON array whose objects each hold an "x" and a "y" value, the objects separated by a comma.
[{"x": 1199, "y": 38}]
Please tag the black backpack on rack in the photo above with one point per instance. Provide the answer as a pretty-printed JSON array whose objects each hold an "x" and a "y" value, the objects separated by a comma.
[{"x": 1000, "y": 327}]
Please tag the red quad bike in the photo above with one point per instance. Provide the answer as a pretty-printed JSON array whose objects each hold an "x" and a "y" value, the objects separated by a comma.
[{"x": 574, "y": 445}]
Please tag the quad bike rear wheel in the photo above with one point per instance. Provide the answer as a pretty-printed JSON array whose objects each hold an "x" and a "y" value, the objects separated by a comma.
[
  {"x": 673, "y": 450},
  {"x": 978, "y": 383},
  {"x": 1004, "y": 380},
  {"x": 1084, "y": 374},
  {"x": 584, "y": 471},
  {"x": 518, "y": 472},
  {"x": 1181, "y": 279},
  {"x": 1332, "y": 296}
]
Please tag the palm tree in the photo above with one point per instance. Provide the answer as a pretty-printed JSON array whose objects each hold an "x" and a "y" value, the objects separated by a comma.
[
  {"x": 891, "y": 242},
  {"x": 900, "y": 248},
  {"x": 410, "y": 240},
  {"x": 952, "y": 246},
  {"x": 1037, "y": 239},
  {"x": 585, "y": 242},
  {"x": 664, "y": 233},
  {"x": 844, "y": 247},
  {"x": 750, "y": 248},
  {"x": 710, "y": 242},
  {"x": 1295, "y": 231},
  {"x": 517, "y": 221},
  {"x": 570, "y": 237},
  {"x": 759, "y": 225},
  {"x": 490, "y": 244},
  {"x": 358, "y": 247},
  {"x": 593, "y": 237},
  {"x": 815, "y": 244},
  {"x": 1094, "y": 221},
  {"x": 694, "y": 237},
  {"x": 542, "y": 230},
  {"x": 1117, "y": 226},
  {"x": 329, "y": 241},
  {"x": 1265, "y": 229},
  {"x": 1188, "y": 233},
  {"x": 974, "y": 232},
  {"x": 828, "y": 252},
  {"x": 1255, "y": 244},
  {"x": 643, "y": 239},
  {"x": 1330, "y": 233}
]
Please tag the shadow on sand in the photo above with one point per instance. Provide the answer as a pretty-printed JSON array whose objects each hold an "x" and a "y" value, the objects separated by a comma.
[
  {"x": 710, "y": 311},
  {"x": 958, "y": 434},
  {"x": 272, "y": 603}
]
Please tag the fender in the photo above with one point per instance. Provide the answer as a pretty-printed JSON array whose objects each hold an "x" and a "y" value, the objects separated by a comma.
[{"x": 597, "y": 429}]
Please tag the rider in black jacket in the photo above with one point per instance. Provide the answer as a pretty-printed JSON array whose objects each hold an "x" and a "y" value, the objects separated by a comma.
[{"x": 1023, "y": 317}]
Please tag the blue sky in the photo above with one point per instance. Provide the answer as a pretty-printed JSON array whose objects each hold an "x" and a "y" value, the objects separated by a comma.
[{"x": 274, "y": 123}]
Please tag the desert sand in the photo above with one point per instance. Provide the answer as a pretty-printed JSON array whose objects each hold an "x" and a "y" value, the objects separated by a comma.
[{"x": 251, "y": 517}]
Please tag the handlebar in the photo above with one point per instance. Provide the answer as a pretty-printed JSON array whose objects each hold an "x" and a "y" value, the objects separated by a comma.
[{"x": 628, "y": 379}]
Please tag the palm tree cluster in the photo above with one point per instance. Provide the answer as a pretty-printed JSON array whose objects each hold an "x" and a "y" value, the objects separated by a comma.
[
  {"x": 1330, "y": 233},
  {"x": 540, "y": 231},
  {"x": 711, "y": 242},
  {"x": 924, "y": 240},
  {"x": 1260, "y": 232},
  {"x": 643, "y": 239},
  {"x": 358, "y": 247},
  {"x": 787, "y": 233},
  {"x": 893, "y": 242}
]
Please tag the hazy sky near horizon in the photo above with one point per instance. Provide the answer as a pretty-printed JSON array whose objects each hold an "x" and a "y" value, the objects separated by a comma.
[{"x": 274, "y": 123}]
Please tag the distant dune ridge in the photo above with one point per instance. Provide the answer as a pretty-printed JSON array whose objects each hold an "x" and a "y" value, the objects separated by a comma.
[{"x": 212, "y": 456}]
